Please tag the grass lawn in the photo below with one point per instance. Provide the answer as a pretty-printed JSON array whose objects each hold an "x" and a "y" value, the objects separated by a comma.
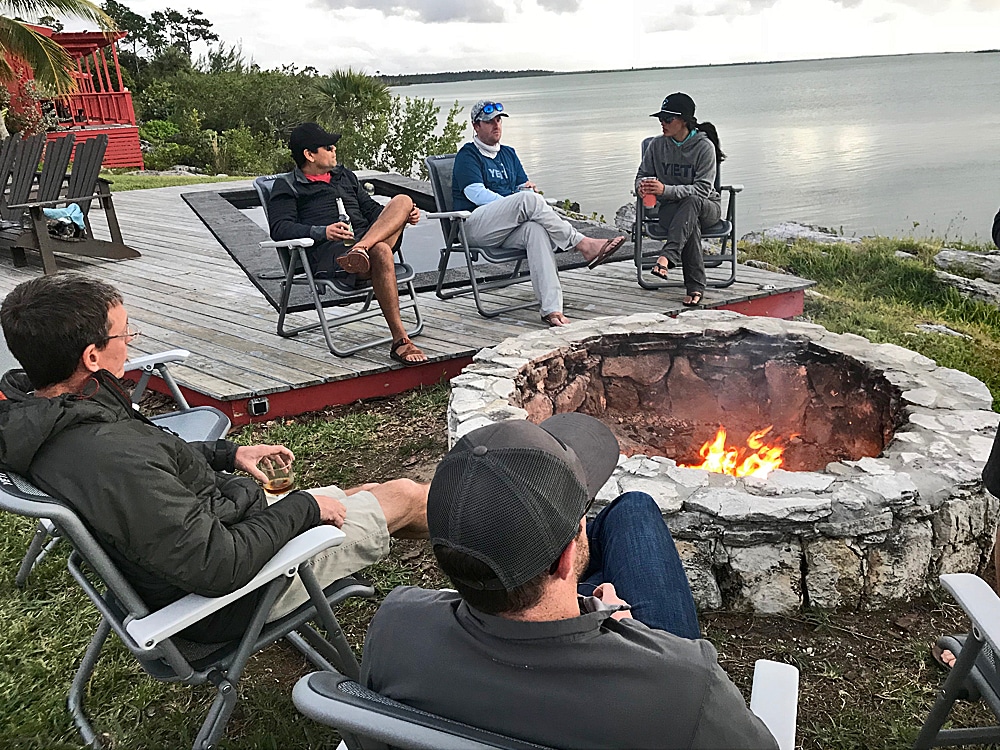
[
  {"x": 140, "y": 181},
  {"x": 866, "y": 679}
]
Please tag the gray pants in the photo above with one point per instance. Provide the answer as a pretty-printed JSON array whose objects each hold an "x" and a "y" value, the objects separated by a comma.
[
  {"x": 525, "y": 221},
  {"x": 682, "y": 221}
]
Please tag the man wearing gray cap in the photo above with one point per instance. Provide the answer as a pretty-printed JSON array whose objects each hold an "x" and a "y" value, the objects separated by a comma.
[
  {"x": 562, "y": 632},
  {"x": 488, "y": 180}
]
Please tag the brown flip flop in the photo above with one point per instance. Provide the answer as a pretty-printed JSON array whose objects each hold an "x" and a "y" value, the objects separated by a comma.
[
  {"x": 402, "y": 349},
  {"x": 607, "y": 251}
]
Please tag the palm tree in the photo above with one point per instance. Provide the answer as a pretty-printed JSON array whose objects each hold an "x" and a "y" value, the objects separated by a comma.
[
  {"x": 345, "y": 98},
  {"x": 49, "y": 62}
]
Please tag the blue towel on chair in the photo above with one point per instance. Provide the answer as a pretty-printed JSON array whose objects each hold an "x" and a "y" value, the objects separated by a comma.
[{"x": 71, "y": 212}]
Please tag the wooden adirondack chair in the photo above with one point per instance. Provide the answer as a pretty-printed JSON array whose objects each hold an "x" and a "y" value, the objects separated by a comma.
[{"x": 24, "y": 226}]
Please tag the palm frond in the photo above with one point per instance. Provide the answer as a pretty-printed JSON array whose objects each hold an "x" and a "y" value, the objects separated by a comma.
[
  {"x": 85, "y": 9},
  {"x": 49, "y": 62}
]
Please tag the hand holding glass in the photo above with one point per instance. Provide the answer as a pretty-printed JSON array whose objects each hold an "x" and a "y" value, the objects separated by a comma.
[
  {"x": 280, "y": 477},
  {"x": 648, "y": 199}
]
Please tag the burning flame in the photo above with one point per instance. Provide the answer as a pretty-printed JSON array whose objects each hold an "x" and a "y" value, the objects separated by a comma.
[{"x": 757, "y": 459}]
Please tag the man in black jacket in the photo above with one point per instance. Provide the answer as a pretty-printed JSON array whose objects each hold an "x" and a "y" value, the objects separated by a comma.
[
  {"x": 996, "y": 229},
  {"x": 306, "y": 206},
  {"x": 168, "y": 512}
]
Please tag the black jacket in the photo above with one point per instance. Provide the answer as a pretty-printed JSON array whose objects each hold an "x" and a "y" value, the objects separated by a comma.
[
  {"x": 301, "y": 208},
  {"x": 161, "y": 507},
  {"x": 996, "y": 229}
]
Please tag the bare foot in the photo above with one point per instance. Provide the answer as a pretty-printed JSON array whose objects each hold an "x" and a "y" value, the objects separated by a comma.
[
  {"x": 407, "y": 352},
  {"x": 556, "y": 319}
]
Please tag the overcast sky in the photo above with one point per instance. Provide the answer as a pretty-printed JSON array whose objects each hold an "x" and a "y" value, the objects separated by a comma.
[{"x": 423, "y": 36}]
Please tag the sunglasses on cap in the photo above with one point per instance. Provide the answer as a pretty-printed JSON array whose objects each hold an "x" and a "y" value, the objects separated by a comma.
[{"x": 490, "y": 107}]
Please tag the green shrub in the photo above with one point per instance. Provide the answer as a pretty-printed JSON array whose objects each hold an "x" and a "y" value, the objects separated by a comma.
[
  {"x": 158, "y": 131},
  {"x": 167, "y": 155},
  {"x": 241, "y": 151}
]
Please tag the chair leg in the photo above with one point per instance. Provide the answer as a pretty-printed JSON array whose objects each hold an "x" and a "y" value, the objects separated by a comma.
[
  {"x": 79, "y": 686},
  {"x": 334, "y": 633},
  {"x": 929, "y": 733},
  {"x": 32, "y": 556},
  {"x": 219, "y": 714}
]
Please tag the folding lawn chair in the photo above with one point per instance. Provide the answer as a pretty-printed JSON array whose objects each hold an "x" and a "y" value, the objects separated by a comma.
[
  {"x": 297, "y": 272},
  {"x": 154, "y": 637},
  {"x": 647, "y": 224},
  {"x": 369, "y": 721},
  {"x": 192, "y": 423},
  {"x": 456, "y": 241},
  {"x": 975, "y": 673}
]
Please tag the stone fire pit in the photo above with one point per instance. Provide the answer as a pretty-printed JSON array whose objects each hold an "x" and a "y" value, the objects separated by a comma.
[{"x": 880, "y": 491}]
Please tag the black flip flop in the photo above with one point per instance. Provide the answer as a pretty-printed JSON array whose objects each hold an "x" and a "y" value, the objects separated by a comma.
[
  {"x": 606, "y": 252},
  {"x": 660, "y": 270},
  {"x": 696, "y": 298}
]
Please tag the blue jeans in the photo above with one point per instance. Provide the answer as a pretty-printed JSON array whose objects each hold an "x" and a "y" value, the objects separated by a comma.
[{"x": 631, "y": 547}]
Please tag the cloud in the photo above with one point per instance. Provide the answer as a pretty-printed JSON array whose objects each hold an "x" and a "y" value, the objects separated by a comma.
[
  {"x": 684, "y": 17},
  {"x": 884, "y": 18},
  {"x": 560, "y": 6},
  {"x": 431, "y": 11}
]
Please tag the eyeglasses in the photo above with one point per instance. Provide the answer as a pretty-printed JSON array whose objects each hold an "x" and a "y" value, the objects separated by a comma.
[
  {"x": 131, "y": 332},
  {"x": 490, "y": 107}
]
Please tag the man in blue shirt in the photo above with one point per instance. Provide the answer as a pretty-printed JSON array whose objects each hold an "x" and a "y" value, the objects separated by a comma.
[{"x": 489, "y": 180}]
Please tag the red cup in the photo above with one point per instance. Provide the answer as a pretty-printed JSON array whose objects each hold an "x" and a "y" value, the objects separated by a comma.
[{"x": 648, "y": 200}]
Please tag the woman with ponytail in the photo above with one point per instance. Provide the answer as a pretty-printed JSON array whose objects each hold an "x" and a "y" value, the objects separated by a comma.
[{"x": 679, "y": 170}]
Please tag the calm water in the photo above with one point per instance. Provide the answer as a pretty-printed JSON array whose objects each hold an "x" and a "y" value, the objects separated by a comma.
[{"x": 891, "y": 146}]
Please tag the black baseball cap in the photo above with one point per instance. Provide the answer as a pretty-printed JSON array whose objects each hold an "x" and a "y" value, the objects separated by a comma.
[
  {"x": 512, "y": 494},
  {"x": 678, "y": 105},
  {"x": 310, "y": 136}
]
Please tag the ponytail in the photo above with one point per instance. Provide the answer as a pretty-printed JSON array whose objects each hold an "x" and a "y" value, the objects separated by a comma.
[{"x": 713, "y": 135}]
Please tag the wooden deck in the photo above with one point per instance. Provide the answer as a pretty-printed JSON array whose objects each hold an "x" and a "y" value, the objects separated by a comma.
[{"x": 186, "y": 292}]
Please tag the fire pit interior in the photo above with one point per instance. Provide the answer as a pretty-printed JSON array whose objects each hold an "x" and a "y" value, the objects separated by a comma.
[
  {"x": 879, "y": 489},
  {"x": 669, "y": 395}
]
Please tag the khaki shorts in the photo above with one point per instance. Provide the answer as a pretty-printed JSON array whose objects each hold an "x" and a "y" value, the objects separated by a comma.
[{"x": 366, "y": 542}]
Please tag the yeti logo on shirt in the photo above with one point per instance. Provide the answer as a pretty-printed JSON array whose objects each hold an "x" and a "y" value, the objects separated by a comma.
[
  {"x": 496, "y": 173},
  {"x": 681, "y": 172}
]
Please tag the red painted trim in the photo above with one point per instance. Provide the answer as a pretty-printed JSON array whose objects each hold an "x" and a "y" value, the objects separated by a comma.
[
  {"x": 313, "y": 398},
  {"x": 786, "y": 305}
]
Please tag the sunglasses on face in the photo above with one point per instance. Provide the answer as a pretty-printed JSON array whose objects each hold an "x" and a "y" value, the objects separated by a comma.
[
  {"x": 667, "y": 119},
  {"x": 490, "y": 107}
]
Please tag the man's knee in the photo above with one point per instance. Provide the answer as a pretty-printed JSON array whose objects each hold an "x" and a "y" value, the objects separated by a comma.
[
  {"x": 529, "y": 202},
  {"x": 403, "y": 202},
  {"x": 634, "y": 504}
]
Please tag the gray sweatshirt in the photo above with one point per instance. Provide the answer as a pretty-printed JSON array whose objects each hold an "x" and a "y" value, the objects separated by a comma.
[{"x": 685, "y": 170}]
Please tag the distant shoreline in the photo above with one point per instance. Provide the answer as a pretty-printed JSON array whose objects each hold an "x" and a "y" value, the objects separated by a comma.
[{"x": 477, "y": 75}]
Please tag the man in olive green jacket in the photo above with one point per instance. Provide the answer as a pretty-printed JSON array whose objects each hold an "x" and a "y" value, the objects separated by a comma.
[{"x": 168, "y": 512}]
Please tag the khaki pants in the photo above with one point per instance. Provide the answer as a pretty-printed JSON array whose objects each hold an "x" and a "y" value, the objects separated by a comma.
[{"x": 366, "y": 542}]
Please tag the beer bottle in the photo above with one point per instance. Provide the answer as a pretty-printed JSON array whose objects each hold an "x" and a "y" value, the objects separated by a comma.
[{"x": 343, "y": 217}]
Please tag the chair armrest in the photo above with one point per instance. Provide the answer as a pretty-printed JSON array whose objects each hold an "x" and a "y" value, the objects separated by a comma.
[
  {"x": 774, "y": 698},
  {"x": 301, "y": 242},
  {"x": 980, "y": 603},
  {"x": 150, "y": 630},
  {"x": 463, "y": 215},
  {"x": 149, "y": 361},
  {"x": 49, "y": 204},
  {"x": 734, "y": 188}
]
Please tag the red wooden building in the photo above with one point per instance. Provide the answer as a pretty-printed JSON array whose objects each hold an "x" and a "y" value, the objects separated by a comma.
[{"x": 101, "y": 103}]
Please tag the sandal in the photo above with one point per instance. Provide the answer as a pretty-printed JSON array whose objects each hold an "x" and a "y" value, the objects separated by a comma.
[
  {"x": 606, "y": 251},
  {"x": 404, "y": 348},
  {"x": 659, "y": 270},
  {"x": 693, "y": 299},
  {"x": 355, "y": 260}
]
